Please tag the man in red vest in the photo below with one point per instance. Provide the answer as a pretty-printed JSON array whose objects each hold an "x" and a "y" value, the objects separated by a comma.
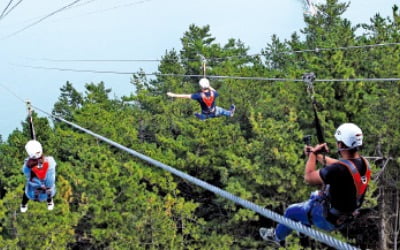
[
  {"x": 206, "y": 98},
  {"x": 344, "y": 181}
]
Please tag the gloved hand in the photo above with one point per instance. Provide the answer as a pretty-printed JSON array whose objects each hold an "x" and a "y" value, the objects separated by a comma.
[{"x": 318, "y": 149}]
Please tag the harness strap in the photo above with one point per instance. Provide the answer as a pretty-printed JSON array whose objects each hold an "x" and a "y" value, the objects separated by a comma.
[
  {"x": 337, "y": 217},
  {"x": 36, "y": 198},
  {"x": 360, "y": 182},
  {"x": 334, "y": 216},
  {"x": 208, "y": 100},
  {"x": 42, "y": 190},
  {"x": 40, "y": 171},
  {"x": 207, "y": 113}
]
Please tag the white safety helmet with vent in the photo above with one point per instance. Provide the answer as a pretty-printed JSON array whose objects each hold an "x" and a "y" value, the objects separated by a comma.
[
  {"x": 204, "y": 83},
  {"x": 34, "y": 149},
  {"x": 350, "y": 134}
]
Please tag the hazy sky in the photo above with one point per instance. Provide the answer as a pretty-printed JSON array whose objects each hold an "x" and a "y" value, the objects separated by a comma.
[{"x": 126, "y": 29}]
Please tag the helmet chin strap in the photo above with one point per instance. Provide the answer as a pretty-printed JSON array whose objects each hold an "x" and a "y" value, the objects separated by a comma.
[
  {"x": 344, "y": 149},
  {"x": 339, "y": 150}
]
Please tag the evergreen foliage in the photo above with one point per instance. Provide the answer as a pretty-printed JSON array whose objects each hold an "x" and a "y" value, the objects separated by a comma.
[{"x": 108, "y": 200}]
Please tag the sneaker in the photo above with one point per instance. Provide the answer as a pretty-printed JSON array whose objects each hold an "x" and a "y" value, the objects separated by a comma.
[
  {"x": 23, "y": 208},
  {"x": 268, "y": 234},
  {"x": 232, "y": 109},
  {"x": 50, "y": 205}
]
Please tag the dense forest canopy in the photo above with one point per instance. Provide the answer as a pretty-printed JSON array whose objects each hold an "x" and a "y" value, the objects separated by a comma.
[{"x": 107, "y": 199}]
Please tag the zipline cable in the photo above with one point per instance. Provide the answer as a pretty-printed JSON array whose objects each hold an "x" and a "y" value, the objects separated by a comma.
[
  {"x": 12, "y": 8},
  {"x": 30, "y": 20},
  {"x": 247, "y": 204},
  {"x": 316, "y": 50},
  {"x": 12, "y": 93},
  {"x": 387, "y": 79},
  {"x": 119, "y": 6},
  {"x": 5, "y": 9},
  {"x": 126, "y": 5},
  {"x": 41, "y": 19},
  {"x": 342, "y": 48},
  {"x": 103, "y": 60}
]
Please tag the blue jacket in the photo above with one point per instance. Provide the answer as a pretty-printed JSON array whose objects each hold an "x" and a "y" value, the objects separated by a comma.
[{"x": 34, "y": 186}]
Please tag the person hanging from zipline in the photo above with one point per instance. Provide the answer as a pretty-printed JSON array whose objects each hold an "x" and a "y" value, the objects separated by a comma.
[
  {"x": 344, "y": 181},
  {"x": 206, "y": 98},
  {"x": 40, "y": 173}
]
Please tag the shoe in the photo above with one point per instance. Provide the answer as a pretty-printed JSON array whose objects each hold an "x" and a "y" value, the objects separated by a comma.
[
  {"x": 50, "y": 205},
  {"x": 23, "y": 208},
  {"x": 268, "y": 234},
  {"x": 232, "y": 109}
]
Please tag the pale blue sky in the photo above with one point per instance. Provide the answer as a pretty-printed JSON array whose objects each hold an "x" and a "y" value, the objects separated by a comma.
[{"x": 128, "y": 29}]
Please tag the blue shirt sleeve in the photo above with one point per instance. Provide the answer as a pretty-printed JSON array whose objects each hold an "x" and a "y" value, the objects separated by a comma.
[
  {"x": 51, "y": 172},
  {"x": 26, "y": 170},
  {"x": 196, "y": 96},
  {"x": 215, "y": 94}
]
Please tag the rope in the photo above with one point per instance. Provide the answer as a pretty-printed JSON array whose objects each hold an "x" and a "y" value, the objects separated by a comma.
[
  {"x": 204, "y": 65},
  {"x": 12, "y": 93},
  {"x": 247, "y": 204},
  {"x": 30, "y": 120},
  {"x": 309, "y": 79}
]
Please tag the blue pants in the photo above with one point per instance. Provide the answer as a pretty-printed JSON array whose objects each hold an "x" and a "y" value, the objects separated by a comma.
[
  {"x": 218, "y": 112},
  {"x": 303, "y": 212}
]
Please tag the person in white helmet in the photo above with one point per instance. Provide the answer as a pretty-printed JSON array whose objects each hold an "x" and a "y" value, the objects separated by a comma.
[
  {"x": 206, "y": 98},
  {"x": 40, "y": 173},
  {"x": 344, "y": 181}
]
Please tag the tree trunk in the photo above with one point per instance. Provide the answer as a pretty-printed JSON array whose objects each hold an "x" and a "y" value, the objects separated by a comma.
[
  {"x": 382, "y": 216},
  {"x": 396, "y": 221}
]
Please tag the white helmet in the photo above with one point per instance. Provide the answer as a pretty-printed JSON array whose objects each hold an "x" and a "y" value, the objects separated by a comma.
[
  {"x": 34, "y": 149},
  {"x": 204, "y": 83},
  {"x": 350, "y": 134}
]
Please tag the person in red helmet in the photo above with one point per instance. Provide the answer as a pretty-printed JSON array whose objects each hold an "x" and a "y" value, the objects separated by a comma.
[
  {"x": 40, "y": 173},
  {"x": 344, "y": 184},
  {"x": 206, "y": 98}
]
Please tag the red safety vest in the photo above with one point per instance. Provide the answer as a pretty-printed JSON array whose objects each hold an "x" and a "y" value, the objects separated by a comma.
[
  {"x": 360, "y": 182},
  {"x": 42, "y": 171},
  {"x": 208, "y": 100}
]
